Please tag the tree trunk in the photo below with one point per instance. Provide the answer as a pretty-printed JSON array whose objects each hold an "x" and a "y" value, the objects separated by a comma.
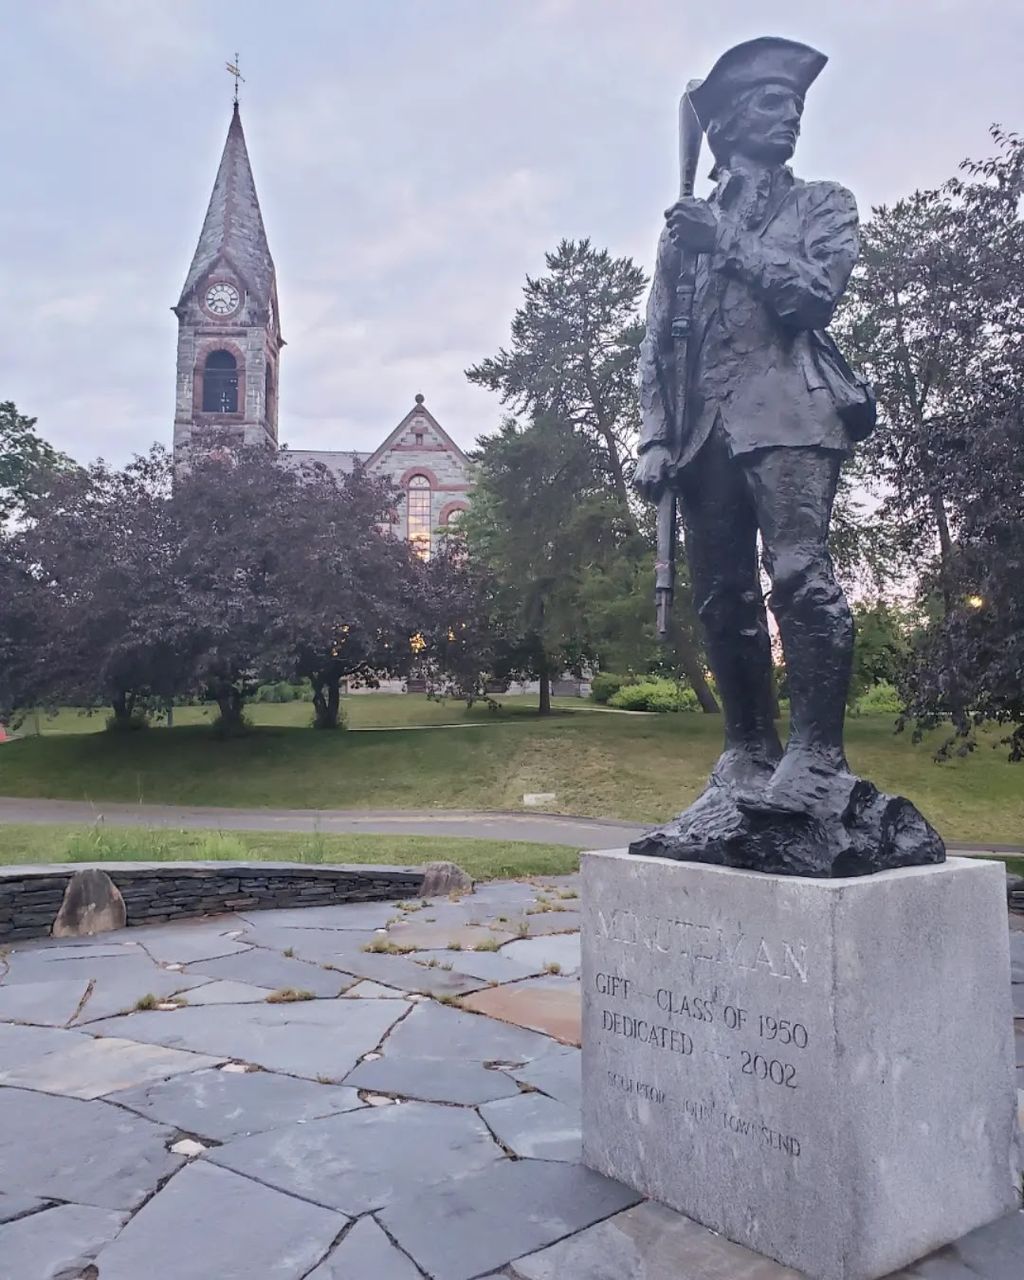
[
  {"x": 326, "y": 702},
  {"x": 123, "y": 705},
  {"x": 544, "y": 706},
  {"x": 938, "y": 507},
  {"x": 231, "y": 704}
]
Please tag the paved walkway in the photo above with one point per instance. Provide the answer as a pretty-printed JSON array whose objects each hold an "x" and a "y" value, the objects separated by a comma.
[
  {"x": 542, "y": 828},
  {"x": 310, "y": 1094}
]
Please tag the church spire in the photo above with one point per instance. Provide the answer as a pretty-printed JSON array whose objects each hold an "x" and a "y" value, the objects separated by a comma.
[
  {"x": 229, "y": 334},
  {"x": 233, "y": 231}
]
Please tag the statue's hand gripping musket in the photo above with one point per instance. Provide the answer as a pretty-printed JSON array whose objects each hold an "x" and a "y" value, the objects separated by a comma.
[{"x": 682, "y": 321}]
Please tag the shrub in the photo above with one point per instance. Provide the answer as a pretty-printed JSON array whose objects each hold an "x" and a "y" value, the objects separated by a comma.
[
  {"x": 605, "y": 685},
  {"x": 882, "y": 699},
  {"x": 655, "y": 695},
  {"x": 283, "y": 691}
]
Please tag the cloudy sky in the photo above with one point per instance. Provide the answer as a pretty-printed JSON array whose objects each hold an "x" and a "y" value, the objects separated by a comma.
[{"x": 414, "y": 159}]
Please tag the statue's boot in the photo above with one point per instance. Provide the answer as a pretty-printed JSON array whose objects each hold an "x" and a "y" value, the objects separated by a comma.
[
  {"x": 815, "y": 817},
  {"x": 742, "y": 667}
]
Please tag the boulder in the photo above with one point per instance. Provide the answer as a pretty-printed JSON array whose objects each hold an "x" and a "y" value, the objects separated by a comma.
[
  {"x": 92, "y": 904},
  {"x": 440, "y": 878}
]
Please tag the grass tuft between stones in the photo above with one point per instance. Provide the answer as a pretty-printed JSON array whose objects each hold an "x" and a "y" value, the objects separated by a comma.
[
  {"x": 384, "y": 946},
  {"x": 289, "y": 995}
]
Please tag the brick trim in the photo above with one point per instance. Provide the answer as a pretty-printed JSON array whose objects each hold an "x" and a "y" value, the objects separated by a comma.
[
  {"x": 419, "y": 471},
  {"x": 448, "y": 508}
]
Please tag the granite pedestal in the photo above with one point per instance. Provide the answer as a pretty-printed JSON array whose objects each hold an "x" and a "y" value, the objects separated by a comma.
[{"x": 821, "y": 1070}]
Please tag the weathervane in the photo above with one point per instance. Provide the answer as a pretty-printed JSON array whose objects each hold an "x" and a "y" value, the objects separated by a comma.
[{"x": 232, "y": 68}]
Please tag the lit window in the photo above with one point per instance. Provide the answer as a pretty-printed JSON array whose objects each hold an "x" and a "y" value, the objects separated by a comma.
[
  {"x": 220, "y": 383},
  {"x": 418, "y": 502}
]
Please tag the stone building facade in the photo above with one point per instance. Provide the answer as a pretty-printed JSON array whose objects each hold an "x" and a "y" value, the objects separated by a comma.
[
  {"x": 229, "y": 346},
  {"x": 422, "y": 461}
]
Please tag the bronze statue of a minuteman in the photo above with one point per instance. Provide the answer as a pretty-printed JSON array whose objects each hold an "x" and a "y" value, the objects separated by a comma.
[{"x": 751, "y": 444}]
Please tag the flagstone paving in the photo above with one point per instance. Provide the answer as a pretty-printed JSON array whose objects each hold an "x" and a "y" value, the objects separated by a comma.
[{"x": 357, "y": 1098}]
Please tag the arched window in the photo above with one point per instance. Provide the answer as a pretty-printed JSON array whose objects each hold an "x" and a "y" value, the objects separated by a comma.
[
  {"x": 418, "y": 501},
  {"x": 454, "y": 516},
  {"x": 268, "y": 392},
  {"x": 220, "y": 383}
]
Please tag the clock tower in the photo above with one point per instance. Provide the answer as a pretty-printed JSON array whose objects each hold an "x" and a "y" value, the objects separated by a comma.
[{"x": 229, "y": 336}]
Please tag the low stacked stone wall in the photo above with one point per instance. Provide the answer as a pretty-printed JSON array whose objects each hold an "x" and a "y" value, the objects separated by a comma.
[{"x": 154, "y": 892}]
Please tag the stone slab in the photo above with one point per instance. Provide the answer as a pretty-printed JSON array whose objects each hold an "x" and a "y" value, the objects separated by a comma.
[
  {"x": 32, "y": 967},
  {"x": 648, "y": 1242},
  {"x": 186, "y": 943},
  {"x": 362, "y": 1160},
  {"x": 548, "y": 1005},
  {"x": 364, "y": 989},
  {"x": 366, "y": 1253},
  {"x": 465, "y": 1084},
  {"x": 221, "y": 1105},
  {"x": 115, "y": 983},
  {"x": 535, "y": 1127},
  {"x": 993, "y": 1252},
  {"x": 57, "y": 1244},
  {"x": 435, "y": 1031},
  {"x": 15, "y": 1206},
  {"x": 431, "y": 937},
  {"x": 48, "y": 1004},
  {"x": 819, "y": 1049},
  {"x": 557, "y": 1074},
  {"x": 224, "y": 991},
  {"x": 53, "y": 952},
  {"x": 562, "y": 949},
  {"x": 20, "y": 1045},
  {"x": 270, "y": 969},
  {"x": 208, "y": 1222},
  {"x": 97, "y": 1067},
  {"x": 90, "y": 1152},
  {"x": 490, "y": 966},
  {"x": 346, "y": 915},
  {"x": 346, "y": 953},
  {"x": 119, "y": 991},
  {"x": 553, "y": 922},
  {"x": 307, "y": 1038},
  {"x": 512, "y": 1208}
]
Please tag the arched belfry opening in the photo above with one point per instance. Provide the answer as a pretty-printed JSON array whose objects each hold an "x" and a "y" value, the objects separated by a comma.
[{"x": 220, "y": 383}]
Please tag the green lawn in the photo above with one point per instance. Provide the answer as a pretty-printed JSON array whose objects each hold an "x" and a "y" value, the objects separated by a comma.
[
  {"x": 638, "y": 767},
  {"x": 363, "y": 711},
  {"x": 483, "y": 859}
]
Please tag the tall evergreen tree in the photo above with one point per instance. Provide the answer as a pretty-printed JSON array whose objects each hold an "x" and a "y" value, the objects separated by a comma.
[{"x": 571, "y": 365}]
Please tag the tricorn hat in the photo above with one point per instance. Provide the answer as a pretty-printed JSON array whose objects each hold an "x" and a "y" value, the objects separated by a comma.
[{"x": 766, "y": 60}]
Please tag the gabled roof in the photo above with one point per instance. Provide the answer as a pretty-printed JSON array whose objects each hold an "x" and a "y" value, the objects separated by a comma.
[
  {"x": 341, "y": 461},
  {"x": 233, "y": 230},
  {"x": 419, "y": 409}
]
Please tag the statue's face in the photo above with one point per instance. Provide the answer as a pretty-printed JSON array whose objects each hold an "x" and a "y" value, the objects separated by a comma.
[{"x": 767, "y": 124}]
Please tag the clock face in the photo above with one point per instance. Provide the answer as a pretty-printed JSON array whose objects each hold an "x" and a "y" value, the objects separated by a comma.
[{"x": 222, "y": 299}]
